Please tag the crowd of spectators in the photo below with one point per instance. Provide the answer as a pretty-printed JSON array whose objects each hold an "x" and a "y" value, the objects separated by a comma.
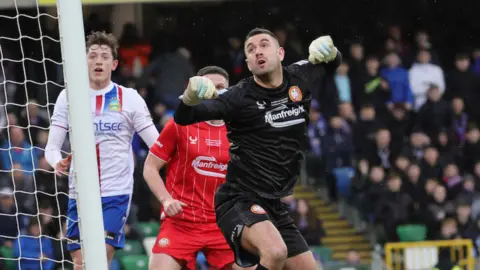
[
  {"x": 410, "y": 130},
  {"x": 407, "y": 124}
]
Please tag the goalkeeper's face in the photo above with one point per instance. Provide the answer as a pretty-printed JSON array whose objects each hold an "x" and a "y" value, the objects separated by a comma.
[
  {"x": 100, "y": 64},
  {"x": 264, "y": 54}
]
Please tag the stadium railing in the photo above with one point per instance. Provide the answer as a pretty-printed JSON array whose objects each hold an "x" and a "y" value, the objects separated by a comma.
[{"x": 426, "y": 254}]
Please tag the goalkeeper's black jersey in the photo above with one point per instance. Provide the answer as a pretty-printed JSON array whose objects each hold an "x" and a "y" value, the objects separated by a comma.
[{"x": 267, "y": 128}]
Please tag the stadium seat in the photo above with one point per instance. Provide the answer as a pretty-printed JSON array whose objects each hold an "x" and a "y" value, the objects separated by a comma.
[
  {"x": 7, "y": 252},
  {"x": 134, "y": 262},
  {"x": 201, "y": 261},
  {"x": 132, "y": 247},
  {"x": 321, "y": 253},
  {"x": 412, "y": 233},
  {"x": 149, "y": 229},
  {"x": 148, "y": 244},
  {"x": 348, "y": 267},
  {"x": 344, "y": 180}
]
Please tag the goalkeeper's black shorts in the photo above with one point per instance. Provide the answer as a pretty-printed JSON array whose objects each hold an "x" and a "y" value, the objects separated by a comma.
[{"x": 237, "y": 209}]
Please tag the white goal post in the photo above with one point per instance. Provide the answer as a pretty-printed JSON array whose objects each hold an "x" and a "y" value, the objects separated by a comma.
[
  {"x": 81, "y": 134},
  {"x": 25, "y": 180}
]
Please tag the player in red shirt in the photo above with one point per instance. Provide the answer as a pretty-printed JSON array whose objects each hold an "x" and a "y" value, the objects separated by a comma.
[{"x": 196, "y": 157}]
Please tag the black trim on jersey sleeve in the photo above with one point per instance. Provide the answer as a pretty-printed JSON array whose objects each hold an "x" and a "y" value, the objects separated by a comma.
[
  {"x": 318, "y": 76},
  {"x": 221, "y": 108},
  {"x": 332, "y": 66},
  {"x": 310, "y": 72}
]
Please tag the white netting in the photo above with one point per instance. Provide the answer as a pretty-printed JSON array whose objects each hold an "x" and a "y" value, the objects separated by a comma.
[{"x": 31, "y": 78}]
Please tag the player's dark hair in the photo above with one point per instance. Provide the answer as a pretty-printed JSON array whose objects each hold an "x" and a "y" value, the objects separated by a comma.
[
  {"x": 462, "y": 56},
  {"x": 372, "y": 57},
  {"x": 213, "y": 70},
  {"x": 423, "y": 51},
  {"x": 103, "y": 38},
  {"x": 367, "y": 106},
  {"x": 472, "y": 127},
  {"x": 393, "y": 176},
  {"x": 259, "y": 31},
  {"x": 33, "y": 221}
]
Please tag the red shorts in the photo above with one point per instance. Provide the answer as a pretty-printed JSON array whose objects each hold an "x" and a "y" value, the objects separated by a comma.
[{"x": 182, "y": 241}]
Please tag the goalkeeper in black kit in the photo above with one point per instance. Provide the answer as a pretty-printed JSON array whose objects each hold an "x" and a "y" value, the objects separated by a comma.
[{"x": 266, "y": 118}]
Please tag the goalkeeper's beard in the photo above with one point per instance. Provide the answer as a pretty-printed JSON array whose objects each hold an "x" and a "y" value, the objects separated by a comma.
[{"x": 267, "y": 78}]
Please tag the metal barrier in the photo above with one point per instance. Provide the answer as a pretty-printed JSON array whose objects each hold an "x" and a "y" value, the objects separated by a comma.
[{"x": 426, "y": 255}]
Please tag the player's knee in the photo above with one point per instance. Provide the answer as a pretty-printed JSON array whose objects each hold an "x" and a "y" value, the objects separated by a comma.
[
  {"x": 276, "y": 254},
  {"x": 77, "y": 259},
  {"x": 110, "y": 252},
  {"x": 78, "y": 262}
]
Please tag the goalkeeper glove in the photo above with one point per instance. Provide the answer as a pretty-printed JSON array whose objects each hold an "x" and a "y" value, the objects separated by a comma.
[
  {"x": 199, "y": 88},
  {"x": 322, "y": 50}
]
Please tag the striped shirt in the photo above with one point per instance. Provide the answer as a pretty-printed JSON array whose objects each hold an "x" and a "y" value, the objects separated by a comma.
[
  {"x": 197, "y": 157},
  {"x": 117, "y": 113}
]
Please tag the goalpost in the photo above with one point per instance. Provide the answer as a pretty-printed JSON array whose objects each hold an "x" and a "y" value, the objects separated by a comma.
[{"x": 73, "y": 51}]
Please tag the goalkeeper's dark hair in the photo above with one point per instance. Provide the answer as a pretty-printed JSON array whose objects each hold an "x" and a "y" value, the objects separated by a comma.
[
  {"x": 103, "y": 38},
  {"x": 259, "y": 31},
  {"x": 213, "y": 70}
]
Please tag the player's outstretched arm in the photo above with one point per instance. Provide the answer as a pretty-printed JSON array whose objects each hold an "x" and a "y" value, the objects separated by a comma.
[
  {"x": 202, "y": 102},
  {"x": 192, "y": 109},
  {"x": 322, "y": 50},
  {"x": 151, "y": 170},
  {"x": 187, "y": 115},
  {"x": 324, "y": 58}
]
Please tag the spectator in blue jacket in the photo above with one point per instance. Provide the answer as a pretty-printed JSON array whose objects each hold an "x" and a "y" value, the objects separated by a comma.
[
  {"x": 10, "y": 223},
  {"x": 398, "y": 82},
  {"x": 338, "y": 150},
  {"x": 19, "y": 151},
  {"x": 34, "y": 249}
]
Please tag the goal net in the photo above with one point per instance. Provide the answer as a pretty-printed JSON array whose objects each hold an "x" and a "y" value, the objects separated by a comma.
[{"x": 33, "y": 200}]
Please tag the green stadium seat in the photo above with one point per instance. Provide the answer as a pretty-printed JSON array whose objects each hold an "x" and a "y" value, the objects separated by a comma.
[
  {"x": 148, "y": 244},
  {"x": 348, "y": 267},
  {"x": 7, "y": 252},
  {"x": 324, "y": 254},
  {"x": 132, "y": 247},
  {"x": 412, "y": 233},
  {"x": 134, "y": 262},
  {"x": 149, "y": 229}
]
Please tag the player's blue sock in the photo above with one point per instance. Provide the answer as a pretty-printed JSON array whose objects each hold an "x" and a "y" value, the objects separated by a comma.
[{"x": 260, "y": 267}]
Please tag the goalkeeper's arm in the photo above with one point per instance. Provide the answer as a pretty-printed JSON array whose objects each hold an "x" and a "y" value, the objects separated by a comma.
[
  {"x": 206, "y": 110},
  {"x": 323, "y": 51},
  {"x": 221, "y": 108}
]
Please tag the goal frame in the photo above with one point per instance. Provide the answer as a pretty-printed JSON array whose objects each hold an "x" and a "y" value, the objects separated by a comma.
[{"x": 85, "y": 172}]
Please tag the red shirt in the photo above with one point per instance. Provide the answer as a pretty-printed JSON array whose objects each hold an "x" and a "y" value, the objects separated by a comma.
[{"x": 197, "y": 157}]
